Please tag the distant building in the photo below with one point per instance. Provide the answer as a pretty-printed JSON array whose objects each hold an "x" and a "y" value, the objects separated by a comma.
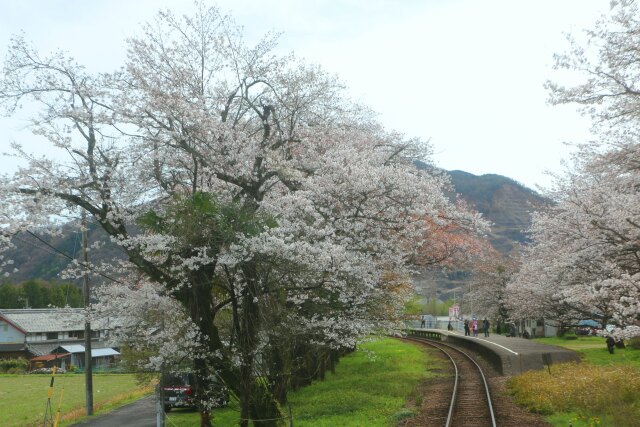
[
  {"x": 31, "y": 333},
  {"x": 537, "y": 328},
  {"x": 100, "y": 357},
  {"x": 49, "y": 361}
]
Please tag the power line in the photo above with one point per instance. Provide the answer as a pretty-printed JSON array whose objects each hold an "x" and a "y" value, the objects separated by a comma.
[{"x": 61, "y": 253}]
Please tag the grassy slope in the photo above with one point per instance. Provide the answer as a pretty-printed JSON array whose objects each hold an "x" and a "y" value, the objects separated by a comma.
[
  {"x": 370, "y": 388},
  {"x": 594, "y": 351},
  {"x": 602, "y": 391},
  {"x": 23, "y": 398}
]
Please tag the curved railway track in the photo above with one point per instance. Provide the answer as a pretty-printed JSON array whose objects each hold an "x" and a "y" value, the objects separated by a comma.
[{"x": 470, "y": 403}]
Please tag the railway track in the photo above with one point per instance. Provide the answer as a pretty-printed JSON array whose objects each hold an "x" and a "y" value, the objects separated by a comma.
[{"x": 470, "y": 403}]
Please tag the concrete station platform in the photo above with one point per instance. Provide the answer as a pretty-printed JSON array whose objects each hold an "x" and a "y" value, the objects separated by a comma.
[{"x": 509, "y": 355}]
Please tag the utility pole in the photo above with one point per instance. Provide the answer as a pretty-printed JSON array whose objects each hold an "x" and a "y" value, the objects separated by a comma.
[
  {"x": 160, "y": 415},
  {"x": 88, "y": 374}
]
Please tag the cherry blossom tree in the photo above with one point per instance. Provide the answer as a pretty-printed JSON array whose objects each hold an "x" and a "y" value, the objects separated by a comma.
[
  {"x": 605, "y": 57},
  {"x": 450, "y": 244},
  {"x": 487, "y": 294},
  {"x": 258, "y": 207},
  {"x": 585, "y": 261}
]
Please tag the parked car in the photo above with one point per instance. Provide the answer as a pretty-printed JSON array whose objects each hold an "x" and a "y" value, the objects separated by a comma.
[
  {"x": 178, "y": 391},
  {"x": 585, "y": 330}
]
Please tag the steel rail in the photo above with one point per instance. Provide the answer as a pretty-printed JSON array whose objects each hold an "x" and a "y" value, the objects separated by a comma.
[{"x": 457, "y": 374}]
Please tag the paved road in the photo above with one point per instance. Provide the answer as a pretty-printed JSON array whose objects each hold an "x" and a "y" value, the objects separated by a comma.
[{"x": 141, "y": 413}]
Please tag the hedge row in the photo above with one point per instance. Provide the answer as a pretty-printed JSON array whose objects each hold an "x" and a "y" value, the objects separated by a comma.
[{"x": 13, "y": 366}]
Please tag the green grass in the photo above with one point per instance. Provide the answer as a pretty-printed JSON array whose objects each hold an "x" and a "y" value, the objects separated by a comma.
[
  {"x": 601, "y": 391},
  {"x": 594, "y": 351},
  {"x": 366, "y": 391},
  {"x": 228, "y": 416},
  {"x": 23, "y": 398},
  {"x": 370, "y": 388},
  {"x": 574, "y": 419}
]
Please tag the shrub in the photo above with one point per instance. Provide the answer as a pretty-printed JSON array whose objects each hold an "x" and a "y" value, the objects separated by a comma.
[
  {"x": 634, "y": 343},
  {"x": 14, "y": 366}
]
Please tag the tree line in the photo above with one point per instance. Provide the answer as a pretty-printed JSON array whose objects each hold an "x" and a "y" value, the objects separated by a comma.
[{"x": 39, "y": 294}]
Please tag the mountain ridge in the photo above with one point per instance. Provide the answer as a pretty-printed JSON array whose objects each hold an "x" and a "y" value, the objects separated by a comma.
[{"x": 502, "y": 201}]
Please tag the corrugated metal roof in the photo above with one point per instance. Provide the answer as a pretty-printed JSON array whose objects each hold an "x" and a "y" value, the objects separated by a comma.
[
  {"x": 48, "y": 357},
  {"x": 73, "y": 348},
  {"x": 95, "y": 352},
  {"x": 102, "y": 352},
  {"x": 49, "y": 319},
  {"x": 39, "y": 349}
]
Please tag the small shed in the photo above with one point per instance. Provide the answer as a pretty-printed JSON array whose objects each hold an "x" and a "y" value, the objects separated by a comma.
[
  {"x": 100, "y": 357},
  {"x": 49, "y": 361}
]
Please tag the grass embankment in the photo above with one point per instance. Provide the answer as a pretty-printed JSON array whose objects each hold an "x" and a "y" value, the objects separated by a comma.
[
  {"x": 23, "y": 398},
  {"x": 603, "y": 390},
  {"x": 370, "y": 388}
]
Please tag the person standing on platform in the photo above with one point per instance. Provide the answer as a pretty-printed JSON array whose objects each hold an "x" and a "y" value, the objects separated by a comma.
[
  {"x": 423, "y": 322},
  {"x": 466, "y": 328},
  {"x": 475, "y": 327},
  {"x": 485, "y": 326}
]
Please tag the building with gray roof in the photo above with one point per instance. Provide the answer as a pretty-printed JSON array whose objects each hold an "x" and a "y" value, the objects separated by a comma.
[{"x": 36, "y": 332}]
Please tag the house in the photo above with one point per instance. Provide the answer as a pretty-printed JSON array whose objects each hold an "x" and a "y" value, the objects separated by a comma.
[{"x": 37, "y": 332}]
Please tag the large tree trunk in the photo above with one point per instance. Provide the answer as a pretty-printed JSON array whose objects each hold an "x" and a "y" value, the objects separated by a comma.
[
  {"x": 199, "y": 305},
  {"x": 247, "y": 341},
  {"x": 256, "y": 400},
  {"x": 198, "y": 300},
  {"x": 280, "y": 371}
]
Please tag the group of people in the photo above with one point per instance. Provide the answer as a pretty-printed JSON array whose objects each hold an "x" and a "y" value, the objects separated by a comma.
[{"x": 472, "y": 327}]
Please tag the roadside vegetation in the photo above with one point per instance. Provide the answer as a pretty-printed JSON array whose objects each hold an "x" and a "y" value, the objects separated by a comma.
[
  {"x": 603, "y": 390},
  {"x": 23, "y": 398},
  {"x": 13, "y": 366},
  {"x": 369, "y": 388}
]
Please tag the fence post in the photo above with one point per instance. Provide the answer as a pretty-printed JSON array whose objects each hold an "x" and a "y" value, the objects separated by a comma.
[
  {"x": 290, "y": 416},
  {"x": 159, "y": 406}
]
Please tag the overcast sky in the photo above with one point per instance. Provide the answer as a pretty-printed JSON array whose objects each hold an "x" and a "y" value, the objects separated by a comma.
[{"x": 467, "y": 75}]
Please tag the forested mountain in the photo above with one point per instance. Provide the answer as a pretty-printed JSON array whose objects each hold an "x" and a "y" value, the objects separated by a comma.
[
  {"x": 43, "y": 257},
  {"x": 504, "y": 202}
]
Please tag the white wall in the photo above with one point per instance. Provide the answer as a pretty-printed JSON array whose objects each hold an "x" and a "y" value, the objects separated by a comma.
[{"x": 9, "y": 334}]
